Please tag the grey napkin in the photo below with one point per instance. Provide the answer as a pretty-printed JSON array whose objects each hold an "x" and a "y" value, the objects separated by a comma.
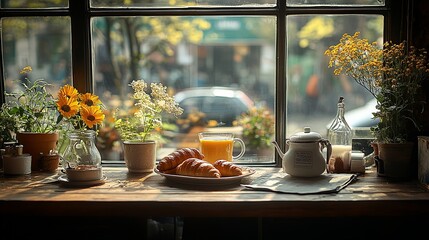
[{"x": 284, "y": 183}]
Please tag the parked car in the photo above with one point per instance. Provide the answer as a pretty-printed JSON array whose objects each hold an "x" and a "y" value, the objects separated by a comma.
[
  {"x": 222, "y": 104},
  {"x": 362, "y": 116}
]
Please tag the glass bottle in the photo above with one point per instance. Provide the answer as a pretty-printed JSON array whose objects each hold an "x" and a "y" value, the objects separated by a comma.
[
  {"x": 340, "y": 136},
  {"x": 81, "y": 159}
]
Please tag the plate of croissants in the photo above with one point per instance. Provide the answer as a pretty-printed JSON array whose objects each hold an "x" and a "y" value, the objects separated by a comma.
[{"x": 187, "y": 166}]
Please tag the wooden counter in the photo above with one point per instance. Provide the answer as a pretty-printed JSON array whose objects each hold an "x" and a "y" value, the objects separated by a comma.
[
  {"x": 125, "y": 194},
  {"x": 146, "y": 205}
]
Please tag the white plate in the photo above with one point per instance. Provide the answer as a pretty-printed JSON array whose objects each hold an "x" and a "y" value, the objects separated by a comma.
[
  {"x": 64, "y": 180},
  {"x": 207, "y": 181}
]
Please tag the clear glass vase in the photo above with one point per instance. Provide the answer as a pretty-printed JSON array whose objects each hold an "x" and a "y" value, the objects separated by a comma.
[
  {"x": 81, "y": 159},
  {"x": 340, "y": 136}
]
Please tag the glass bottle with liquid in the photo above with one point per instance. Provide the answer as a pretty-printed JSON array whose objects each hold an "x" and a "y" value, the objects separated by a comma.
[{"x": 340, "y": 136}]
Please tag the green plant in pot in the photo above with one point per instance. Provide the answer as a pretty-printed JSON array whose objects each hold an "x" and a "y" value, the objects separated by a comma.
[
  {"x": 258, "y": 128},
  {"x": 393, "y": 75},
  {"x": 8, "y": 126},
  {"x": 138, "y": 131},
  {"x": 30, "y": 113}
]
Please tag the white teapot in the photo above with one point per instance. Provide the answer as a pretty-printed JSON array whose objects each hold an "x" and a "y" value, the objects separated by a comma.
[{"x": 304, "y": 157}]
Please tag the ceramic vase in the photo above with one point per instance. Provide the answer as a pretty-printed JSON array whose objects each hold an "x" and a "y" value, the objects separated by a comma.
[
  {"x": 36, "y": 143},
  {"x": 140, "y": 157}
]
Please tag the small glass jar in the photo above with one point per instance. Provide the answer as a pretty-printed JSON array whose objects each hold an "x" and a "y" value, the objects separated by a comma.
[{"x": 81, "y": 159}]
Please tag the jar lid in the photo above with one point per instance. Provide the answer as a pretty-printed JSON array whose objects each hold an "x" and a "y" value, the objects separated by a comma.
[{"x": 306, "y": 136}]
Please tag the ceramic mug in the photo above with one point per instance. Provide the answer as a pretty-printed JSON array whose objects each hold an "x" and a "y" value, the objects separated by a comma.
[{"x": 217, "y": 146}]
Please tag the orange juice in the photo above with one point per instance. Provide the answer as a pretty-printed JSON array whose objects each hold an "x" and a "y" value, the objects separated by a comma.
[{"x": 215, "y": 148}]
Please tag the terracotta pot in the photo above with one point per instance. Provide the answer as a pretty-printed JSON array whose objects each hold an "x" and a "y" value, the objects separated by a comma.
[
  {"x": 36, "y": 143},
  {"x": 140, "y": 157},
  {"x": 375, "y": 148},
  {"x": 395, "y": 160},
  {"x": 50, "y": 162}
]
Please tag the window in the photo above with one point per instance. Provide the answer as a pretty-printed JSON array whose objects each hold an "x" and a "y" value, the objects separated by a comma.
[{"x": 262, "y": 53}]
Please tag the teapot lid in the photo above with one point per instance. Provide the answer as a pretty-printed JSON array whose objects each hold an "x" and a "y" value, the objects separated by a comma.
[{"x": 306, "y": 136}]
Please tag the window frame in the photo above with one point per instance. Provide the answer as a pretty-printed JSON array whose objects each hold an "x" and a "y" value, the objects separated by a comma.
[{"x": 395, "y": 29}]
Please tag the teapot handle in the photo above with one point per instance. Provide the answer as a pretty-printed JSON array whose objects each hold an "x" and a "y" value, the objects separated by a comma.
[{"x": 327, "y": 144}]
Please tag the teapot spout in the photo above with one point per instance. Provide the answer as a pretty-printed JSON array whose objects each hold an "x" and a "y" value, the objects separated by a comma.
[{"x": 279, "y": 151}]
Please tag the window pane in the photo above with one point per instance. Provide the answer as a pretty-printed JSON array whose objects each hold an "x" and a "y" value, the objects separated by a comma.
[
  {"x": 313, "y": 90},
  {"x": 44, "y": 43},
  {"x": 34, "y": 4},
  {"x": 197, "y": 53},
  {"x": 182, "y": 3},
  {"x": 354, "y": 3}
]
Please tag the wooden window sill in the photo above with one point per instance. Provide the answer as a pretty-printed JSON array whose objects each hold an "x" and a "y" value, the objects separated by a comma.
[{"x": 150, "y": 195}]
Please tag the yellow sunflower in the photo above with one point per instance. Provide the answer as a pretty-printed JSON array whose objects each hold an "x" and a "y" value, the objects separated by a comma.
[
  {"x": 68, "y": 107},
  {"x": 92, "y": 115},
  {"x": 68, "y": 91},
  {"x": 90, "y": 99}
]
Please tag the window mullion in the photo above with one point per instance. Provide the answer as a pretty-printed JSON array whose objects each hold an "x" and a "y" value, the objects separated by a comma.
[
  {"x": 81, "y": 46},
  {"x": 281, "y": 83}
]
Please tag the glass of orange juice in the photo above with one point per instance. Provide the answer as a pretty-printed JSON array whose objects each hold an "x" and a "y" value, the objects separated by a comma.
[{"x": 217, "y": 146}]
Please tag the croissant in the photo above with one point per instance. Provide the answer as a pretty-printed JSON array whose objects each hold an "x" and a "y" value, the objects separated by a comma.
[
  {"x": 197, "y": 168},
  {"x": 172, "y": 160},
  {"x": 227, "y": 168}
]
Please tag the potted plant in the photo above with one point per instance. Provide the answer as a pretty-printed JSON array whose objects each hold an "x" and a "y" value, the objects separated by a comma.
[
  {"x": 258, "y": 129},
  {"x": 8, "y": 126},
  {"x": 80, "y": 114},
  {"x": 393, "y": 75},
  {"x": 137, "y": 131},
  {"x": 29, "y": 116}
]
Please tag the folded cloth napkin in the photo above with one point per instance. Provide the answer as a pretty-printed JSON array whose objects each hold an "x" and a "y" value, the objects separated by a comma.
[{"x": 284, "y": 183}]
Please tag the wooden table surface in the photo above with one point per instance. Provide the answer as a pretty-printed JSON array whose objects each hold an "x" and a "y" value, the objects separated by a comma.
[{"x": 125, "y": 194}]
